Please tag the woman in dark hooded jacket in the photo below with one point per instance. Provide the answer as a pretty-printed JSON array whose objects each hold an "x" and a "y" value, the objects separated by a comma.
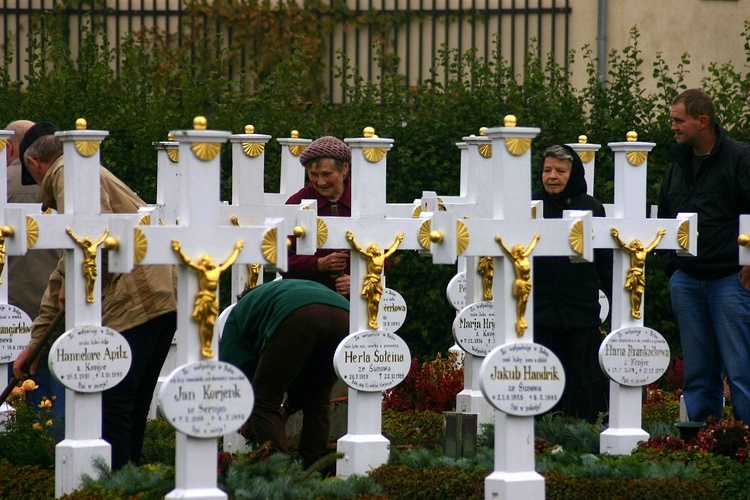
[{"x": 566, "y": 294}]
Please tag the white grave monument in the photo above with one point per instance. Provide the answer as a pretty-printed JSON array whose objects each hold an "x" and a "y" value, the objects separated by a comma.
[
  {"x": 203, "y": 245},
  {"x": 512, "y": 237},
  {"x": 81, "y": 231},
  {"x": 632, "y": 236},
  {"x": 15, "y": 324},
  {"x": 370, "y": 236}
]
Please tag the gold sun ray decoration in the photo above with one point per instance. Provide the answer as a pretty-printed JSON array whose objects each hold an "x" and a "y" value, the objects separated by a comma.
[
  {"x": 205, "y": 151},
  {"x": 85, "y": 148},
  {"x": 517, "y": 146}
]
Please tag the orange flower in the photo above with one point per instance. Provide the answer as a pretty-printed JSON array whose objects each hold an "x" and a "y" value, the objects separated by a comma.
[
  {"x": 37, "y": 426},
  {"x": 16, "y": 392},
  {"x": 29, "y": 385},
  {"x": 46, "y": 403}
]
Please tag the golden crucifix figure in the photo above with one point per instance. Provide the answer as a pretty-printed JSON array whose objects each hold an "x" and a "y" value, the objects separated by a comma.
[
  {"x": 486, "y": 269},
  {"x": 89, "y": 259},
  {"x": 372, "y": 288},
  {"x": 522, "y": 285},
  {"x": 635, "y": 281},
  {"x": 206, "y": 303},
  {"x": 253, "y": 272}
]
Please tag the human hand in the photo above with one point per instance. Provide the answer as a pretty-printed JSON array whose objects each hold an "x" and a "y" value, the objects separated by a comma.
[
  {"x": 343, "y": 284},
  {"x": 20, "y": 361},
  {"x": 349, "y": 236},
  {"x": 333, "y": 263},
  {"x": 745, "y": 276},
  {"x": 615, "y": 232}
]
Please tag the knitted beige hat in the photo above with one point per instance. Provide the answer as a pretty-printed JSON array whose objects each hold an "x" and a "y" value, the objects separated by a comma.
[{"x": 326, "y": 147}]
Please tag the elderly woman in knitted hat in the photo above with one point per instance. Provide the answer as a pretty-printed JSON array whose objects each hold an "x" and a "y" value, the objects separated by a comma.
[
  {"x": 327, "y": 162},
  {"x": 566, "y": 295}
]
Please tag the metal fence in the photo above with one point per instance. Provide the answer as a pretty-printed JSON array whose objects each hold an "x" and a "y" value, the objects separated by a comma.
[{"x": 423, "y": 29}]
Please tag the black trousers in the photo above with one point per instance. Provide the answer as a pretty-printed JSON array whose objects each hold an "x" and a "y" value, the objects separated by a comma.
[
  {"x": 298, "y": 360},
  {"x": 586, "y": 385},
  {"x": 125, "y": 406}
]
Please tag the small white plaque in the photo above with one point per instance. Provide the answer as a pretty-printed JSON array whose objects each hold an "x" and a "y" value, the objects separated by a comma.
[
  {"x": 603, "y": 306},
  {"x": 206, "y": 399},
  {"x": 15, "y": 332},
  {"x": 392, "y": 311},
  {"x": 634, "y": 356},
  {"x": 474, "y": 328},
  {"x": 372, "y": 360},
  {"x": 456, "y": 291},
  {"x": 90, "y": 358},
  {"x": 522, "y": 378}
]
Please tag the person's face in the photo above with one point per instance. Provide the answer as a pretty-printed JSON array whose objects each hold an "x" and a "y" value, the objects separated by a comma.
[
  {"x": 685, "y": 127},
  {"x": 327, "y": 179},
  {"x": 37, "y": 169},
  {"x": 555, "y": 175}
]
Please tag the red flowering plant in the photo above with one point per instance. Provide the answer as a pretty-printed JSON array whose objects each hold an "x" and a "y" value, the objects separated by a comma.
[
  {"x": 433, "y": 386},
  {"x": 726, "y": 437}
]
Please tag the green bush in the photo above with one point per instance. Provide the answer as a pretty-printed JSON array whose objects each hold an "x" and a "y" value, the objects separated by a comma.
[
  {"x": 159, "y": 89},
  {"x": 26, "y": 481}
]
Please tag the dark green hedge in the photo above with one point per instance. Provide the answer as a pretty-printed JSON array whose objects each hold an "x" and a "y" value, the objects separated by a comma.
[{"x": 158, "y": 90}]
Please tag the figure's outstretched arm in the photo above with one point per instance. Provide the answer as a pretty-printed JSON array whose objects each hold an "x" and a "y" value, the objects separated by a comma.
[
  {"x": 657, "y": 240},
  {"x": 237, "y": 249},
  {"x": 101, "y": 240},
  {"x": 73, "y": 235},
  {"x": 357, "y": 248},
  {"x": 616, "y": 235},
  {"x": 177, "y": 247},
  {"x": 531, "y": 246},
  {"x": 399, "y": 239},
  {"x": 502, "y": 245}
]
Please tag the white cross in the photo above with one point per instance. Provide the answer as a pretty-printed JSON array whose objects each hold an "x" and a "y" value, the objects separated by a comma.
[
  {"x": 13, "y": 238},
  {"x": 509, "y": 190},
  {"x": 251, "y": 204},
  {"x": 364, "y": 447},
  {"x": 202, "y": 231},
  {"x": 629, "y": 218},
  {"x": 81, "y": 216}
]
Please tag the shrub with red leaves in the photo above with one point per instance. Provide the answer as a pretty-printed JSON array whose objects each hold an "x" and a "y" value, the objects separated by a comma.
[
  {"x": 674, "y": 376},
  {"x": 430, "y": 387},
  {"x": 726, "y": 437}
]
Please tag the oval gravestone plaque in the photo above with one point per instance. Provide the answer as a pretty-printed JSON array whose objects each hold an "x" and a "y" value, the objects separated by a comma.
[
  {"x": 15, "y": 332},
  {"x": 392, "y": 311},
  {"x": 522, "y": 379},
  {"x": 372, "y": 360},
  {"x": 90, "y": 358},
  {"x": 603, "y": 306},
  {"x": 206, "y": 399},
  {"x": 456, "y": 291},
  {"x": 634, "y": 356},
  {"x": 474, "y": 328}
]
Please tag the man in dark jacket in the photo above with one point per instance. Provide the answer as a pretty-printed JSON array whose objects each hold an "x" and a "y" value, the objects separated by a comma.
[
  {"x": 566, "y": 295},
  {"x": 710, "y": 175}
]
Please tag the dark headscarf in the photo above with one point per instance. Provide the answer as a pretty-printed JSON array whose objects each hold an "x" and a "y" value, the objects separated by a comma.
[{"x": 576, "y": 183}]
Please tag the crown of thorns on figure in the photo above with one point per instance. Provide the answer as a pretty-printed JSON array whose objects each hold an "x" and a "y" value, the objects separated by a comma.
[{"x": 326, "y": 147}]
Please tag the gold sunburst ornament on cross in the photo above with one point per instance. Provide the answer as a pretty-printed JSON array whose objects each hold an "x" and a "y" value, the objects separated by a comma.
[
  {"x": 296, "y": 149},
  {"x": 205, "y": 151},
  {"x": 252, "y": 149},
  {"x": 140, "y": 246},
  {"x": 635, "y": 158},
  {"x": 172, "y": 153},
  {"x": 268, "y": 245},
  {"x": 32, "y": 232},
  {"x": 85, "y": 148},
  {"x": 683, "y": 234},
  {"x": 576, "y": 237},
  {"x": 462, "y": 237},
  {"x": 586, "y": 156},
  {"x": 373, "y": 155},
  {"x": 516, "y": 146},
  {"x": 3, "y": 142},
  {"x": 322, "y": 232}
]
